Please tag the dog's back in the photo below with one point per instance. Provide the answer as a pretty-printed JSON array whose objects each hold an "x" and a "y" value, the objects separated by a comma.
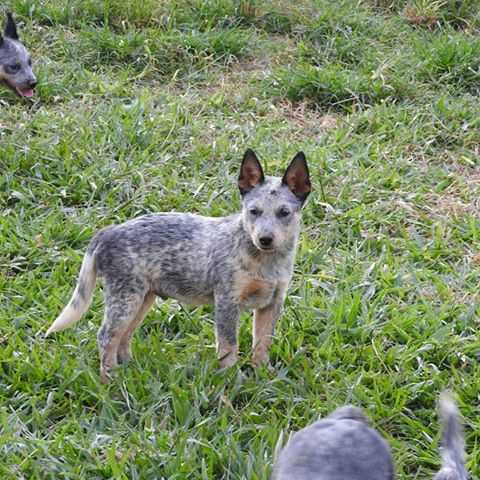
[
  {"x": 340, "y": 447},
  {"x": 453, "y": 446}
]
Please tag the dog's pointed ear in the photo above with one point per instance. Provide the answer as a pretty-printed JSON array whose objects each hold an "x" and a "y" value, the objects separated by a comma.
[
  {"x": 297, "y": 177},
  {"x": 251, "y": 173},
  {"x": 10, "y": 28}
]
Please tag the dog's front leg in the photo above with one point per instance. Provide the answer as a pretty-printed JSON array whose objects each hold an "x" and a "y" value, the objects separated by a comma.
[
  {"x": 264, "y": 321},
  {"x": 227, "y": 315}
]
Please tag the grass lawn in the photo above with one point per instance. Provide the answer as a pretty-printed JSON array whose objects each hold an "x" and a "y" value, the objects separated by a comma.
[{"x": 147, "y": 106}]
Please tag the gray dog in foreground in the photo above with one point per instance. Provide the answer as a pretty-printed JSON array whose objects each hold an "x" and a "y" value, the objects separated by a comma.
[
  {"x": 240, "y": 262},
  {"x": 343, "y": 447},
  {"x": 340, "y": 447},
  {"x": 15, "y": 61}
]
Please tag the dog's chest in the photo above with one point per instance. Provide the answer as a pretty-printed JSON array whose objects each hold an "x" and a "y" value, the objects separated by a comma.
[
  {"x": 257, "y": 282},
  {"x": 253, "y": 291}
]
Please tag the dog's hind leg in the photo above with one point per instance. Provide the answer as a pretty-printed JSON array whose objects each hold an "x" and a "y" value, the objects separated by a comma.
[
  {"x": 123, "y": 302},
  {"x": 123, "y": 352}
]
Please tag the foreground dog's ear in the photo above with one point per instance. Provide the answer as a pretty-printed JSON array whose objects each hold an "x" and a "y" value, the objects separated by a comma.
[
  {"x": 251, "y": 173},
  {"x": 297, "y": 177},
  {"x": 10, "y": 28}
]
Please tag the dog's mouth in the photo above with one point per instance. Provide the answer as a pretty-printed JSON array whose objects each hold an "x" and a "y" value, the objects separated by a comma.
[
  {"x": 265, "y": 249},
  {"x": 24, "y": 92}
]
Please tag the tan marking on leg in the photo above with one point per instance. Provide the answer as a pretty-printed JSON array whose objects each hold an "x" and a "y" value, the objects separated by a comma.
[
  {"x": 263, "y": 323},
  {"x": 124, "y": 353}
]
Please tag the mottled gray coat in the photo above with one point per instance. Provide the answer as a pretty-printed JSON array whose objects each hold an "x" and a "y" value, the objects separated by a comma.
[{"x": 240, "y": 262}]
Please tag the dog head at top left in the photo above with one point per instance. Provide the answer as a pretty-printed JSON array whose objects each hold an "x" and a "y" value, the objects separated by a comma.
[{"x": 15, "y": 61}]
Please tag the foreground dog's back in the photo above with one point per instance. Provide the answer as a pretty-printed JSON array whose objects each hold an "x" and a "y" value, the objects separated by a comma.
[
  {"x": 453, "y": 446},
  {"x": 339, "y": 447},
  {"x": 343, "y": 447}
]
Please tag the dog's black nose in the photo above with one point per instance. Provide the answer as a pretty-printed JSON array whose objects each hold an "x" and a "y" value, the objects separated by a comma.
[
  {"x": 32, "y": 83},
  {"x": 266, "y": 241}
]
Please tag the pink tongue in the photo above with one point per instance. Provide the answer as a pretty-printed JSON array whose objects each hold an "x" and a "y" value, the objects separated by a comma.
[{"x": 25, "y": 92}]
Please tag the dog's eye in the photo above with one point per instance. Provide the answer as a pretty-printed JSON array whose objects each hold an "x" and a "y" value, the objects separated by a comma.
[
  {"x": 283, "y": 212},
  {"x": 29, "y": 62},
  {"x": 255, "y": 212},
  {"x": 15, "y": 67}
]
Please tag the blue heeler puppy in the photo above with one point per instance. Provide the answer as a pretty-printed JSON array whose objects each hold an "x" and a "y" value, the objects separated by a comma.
[
  {"x": 240, "y": 262},
  {"x": 15, "y": 62},
  {"x": 453, "y": 446},
  {"x": 340, "y": 447}
]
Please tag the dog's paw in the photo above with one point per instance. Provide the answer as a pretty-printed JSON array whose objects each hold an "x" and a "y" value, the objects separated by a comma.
[
  {"x": 264, "y": 364},
  {"x": 260, "y": 358},
  {"x": 123, "y": 356},
  {"x": 229, "y": 359},
  {"x": 105, "y": 376}
]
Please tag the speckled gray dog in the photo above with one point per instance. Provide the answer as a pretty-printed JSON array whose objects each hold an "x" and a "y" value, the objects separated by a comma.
[
  {"x": 15, "y": 61},
  {"x": 240, "y": 262},
  {"x": 340, "y": 447}
]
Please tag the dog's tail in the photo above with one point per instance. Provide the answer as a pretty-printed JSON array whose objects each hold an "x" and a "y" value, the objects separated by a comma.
[
  {"x": 452, "y": 443},
  {"x": 81, "y": 298}
]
